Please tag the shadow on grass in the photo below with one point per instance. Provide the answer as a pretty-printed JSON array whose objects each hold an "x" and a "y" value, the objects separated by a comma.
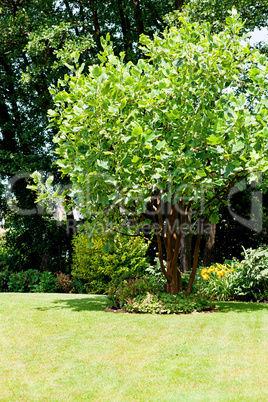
[
  {"x": 241, "y": 307},
  {"x": 92, "y": 303}
]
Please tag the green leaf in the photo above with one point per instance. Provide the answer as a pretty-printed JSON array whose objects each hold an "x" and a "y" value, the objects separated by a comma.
[
  {"x": 238, "y": 146},
  {"x": 113, "y": 109},
  {"x": 82, "y": 148},
  {"x": 97, "y": 71},
  {"x": 135, "y": 159},
  {"x": 103, "y": 164},
  {"x": 214, "y": 140},
  {"x": 137, "y": 131},
  {"x": 113, "y": 59},
  {"x": 161, "y": 145},
  {"x": 214, "y": 217}
]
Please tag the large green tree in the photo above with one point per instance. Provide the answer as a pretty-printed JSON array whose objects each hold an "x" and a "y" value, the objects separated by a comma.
[
  {"x": 166, "y": 138},
  {"x": 38, "y": 37}
]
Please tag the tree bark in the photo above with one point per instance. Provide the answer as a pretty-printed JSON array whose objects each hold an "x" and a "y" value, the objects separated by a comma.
[
  {"x": 179, "y": 4},
  {"x": 138, "y": 17},
  {"x": 195, "y": 264},
  {"x": 172, "y": 249},
  {"x": 96, "y": 22},
  {"x": 209, "y": 246},
  {"x": 125, "y": 28},
  {"x": 186, "y": 252}
]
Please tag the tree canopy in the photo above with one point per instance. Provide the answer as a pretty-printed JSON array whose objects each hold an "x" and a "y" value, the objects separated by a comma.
[{"x": 167, "y": 137}]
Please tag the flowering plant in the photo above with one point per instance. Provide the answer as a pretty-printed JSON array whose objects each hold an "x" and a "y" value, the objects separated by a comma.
[
  {"x": 216, "y": 281},
  {"x": 219, "y": 269}
]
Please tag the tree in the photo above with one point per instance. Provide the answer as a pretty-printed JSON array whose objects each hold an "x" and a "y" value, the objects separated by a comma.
[
  {"x": 37, "y": 39},
  {"x": 139, "y": 141}
]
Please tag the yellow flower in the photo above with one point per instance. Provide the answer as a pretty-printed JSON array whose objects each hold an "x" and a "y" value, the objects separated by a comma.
[
  {"x": 221, "y": 273},
  {"x": 204, "y": 271}
]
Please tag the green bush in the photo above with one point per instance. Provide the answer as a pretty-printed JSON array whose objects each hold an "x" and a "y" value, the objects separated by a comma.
[
  {"x": 251, "y": 277},
  {"x": 48, "y": 283},
  {"x": 164, "y": 303},
  {"x": 24, "y": 281},
  {"x": 246, "y": 280},
  {"x": 127, "y": 255},
  {"x": 40, "y": 282},
  {"x": 68, "y": 284},
  {"x": 217, "y": 280},
  {"x": 146, "y": 295},
  {"x": 4, "y": 279},
  {"x": 122, "y": 290}
]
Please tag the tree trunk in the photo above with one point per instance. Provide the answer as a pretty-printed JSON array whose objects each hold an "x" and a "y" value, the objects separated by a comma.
[
  {"x": 179, "y": 4},
  {"x": 186, "y": 238},
  {"x": 125, "y": 25},
  {"x": 173, "y": 285},
  {"x": 186, "y": 253},
  {"x": 172, "y": 250},
  {"x": 196, "y": 253},
  {"x": 138, "y": 17},
  {"x": 209, "y": 246}
]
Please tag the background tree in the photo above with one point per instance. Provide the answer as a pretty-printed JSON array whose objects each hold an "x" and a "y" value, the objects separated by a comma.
[{"x": 136, "y": 140}]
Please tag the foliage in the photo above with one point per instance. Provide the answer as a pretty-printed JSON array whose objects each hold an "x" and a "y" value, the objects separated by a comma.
[
  {"x": 164, "y": 303},
  {"x": 216, "y": 281},
  {"x": 4, "y": 279},
  {"x": 24, "y": 281},
  {"x": 254, "y": 12},
  {"x": 39, "y": 282},
  {"x": 122, "y": 290},
  {"x": 38, "y": 39},
  {"x": 244, "y": 280},
  {"x": 68, "y": 284},
  {"x": 37, "y": 241},
  {"x": 127, "y": 255},
  {"x": 48, "y": 283},
  {"x": 146, "y": 295},
  {"x": 251, "y": 279},
  {"x": 170, "y": 128}
]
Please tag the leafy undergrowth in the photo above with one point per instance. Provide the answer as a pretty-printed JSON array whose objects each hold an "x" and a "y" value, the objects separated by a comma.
[
  {"x": 245, "y": 280},
  {"x": 146, "y": 295}
]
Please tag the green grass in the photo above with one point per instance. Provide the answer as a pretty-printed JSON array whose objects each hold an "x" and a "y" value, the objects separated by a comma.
[{"x": 61, "y": 347}]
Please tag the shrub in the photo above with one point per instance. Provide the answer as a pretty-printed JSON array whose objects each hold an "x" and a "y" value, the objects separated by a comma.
[
  {"x": 39, "y": 282},
  {"x": 68, "y": 284},
  {"x": 246, "y": 280},
  {"x": 251, "y": 276},
  {"x": 216, "y": 281},
  {"x": 48, "y": 283},
  {"x": 164, "y": 303},
  {"x": 146, "y": 295},
  {"x": 4, "y": 279},
  {"x": 24, "y": 281},
  {"x": 127, "y": 255},
  {"x": 122, "y": 290}
]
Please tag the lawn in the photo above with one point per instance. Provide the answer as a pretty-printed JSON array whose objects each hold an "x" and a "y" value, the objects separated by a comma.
[{"x": 65, "y": 347}]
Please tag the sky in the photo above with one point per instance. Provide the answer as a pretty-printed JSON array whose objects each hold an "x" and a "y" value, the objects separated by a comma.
[{"x": 259, "y": 35}]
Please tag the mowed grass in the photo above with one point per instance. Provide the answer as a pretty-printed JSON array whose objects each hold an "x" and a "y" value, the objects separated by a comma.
[{"x": 61, "y": 347}]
